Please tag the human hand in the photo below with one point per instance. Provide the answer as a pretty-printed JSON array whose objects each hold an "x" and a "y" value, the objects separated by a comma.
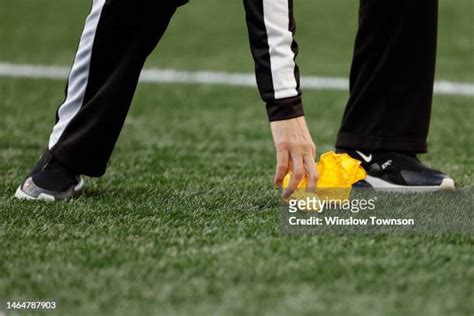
[{"x": 296, "y": 152}]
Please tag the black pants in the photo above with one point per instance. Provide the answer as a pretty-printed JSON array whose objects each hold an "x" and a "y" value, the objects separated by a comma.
[
  {"x": 118, "y": 37},
  {"x": 391, "y": 81}
]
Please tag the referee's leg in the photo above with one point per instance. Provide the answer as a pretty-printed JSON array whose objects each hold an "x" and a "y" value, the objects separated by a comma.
[
  {"x": 387, "y": 117},
  {"x": 118, "y": 37},
  {"x": 391, "y": 81}
]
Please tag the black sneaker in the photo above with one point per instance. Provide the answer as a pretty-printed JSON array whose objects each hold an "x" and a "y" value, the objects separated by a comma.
[
  {"x": 50, "y": 181},
  {"x": 400, "y": 172}
]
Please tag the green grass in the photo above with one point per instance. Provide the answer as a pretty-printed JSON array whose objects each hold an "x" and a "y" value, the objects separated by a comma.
[
  {"x": 47, "y": 31},
  {"x": 185, "y": 220}
]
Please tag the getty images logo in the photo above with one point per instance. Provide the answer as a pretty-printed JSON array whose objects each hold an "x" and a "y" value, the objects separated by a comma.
[{"x": 315, "y": 204}]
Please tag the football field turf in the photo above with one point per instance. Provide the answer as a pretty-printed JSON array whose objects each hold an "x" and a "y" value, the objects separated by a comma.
[{"x": 186, "y": 221}]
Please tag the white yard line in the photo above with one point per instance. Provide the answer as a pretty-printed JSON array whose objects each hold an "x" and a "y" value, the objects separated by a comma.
[{"x": 213, "y": 78}]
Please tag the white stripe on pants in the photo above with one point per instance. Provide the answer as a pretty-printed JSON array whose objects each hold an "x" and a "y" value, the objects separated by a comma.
[{"x": 79, "y": 76}]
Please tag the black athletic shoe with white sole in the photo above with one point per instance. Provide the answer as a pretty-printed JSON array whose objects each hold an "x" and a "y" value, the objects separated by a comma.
[
  {"x": 399, "y": 172},
  {"x": 50, "y": 181}
]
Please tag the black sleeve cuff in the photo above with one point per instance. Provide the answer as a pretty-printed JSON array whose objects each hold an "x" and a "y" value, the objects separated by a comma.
[
  {"x": 285, "y": 109},
  {"x": 181, "y": 2}
]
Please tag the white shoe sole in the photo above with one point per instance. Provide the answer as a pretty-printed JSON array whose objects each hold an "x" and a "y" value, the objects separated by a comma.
[
  {"x": 381, "y": 185},
  {"x": 20, "y": 195}
]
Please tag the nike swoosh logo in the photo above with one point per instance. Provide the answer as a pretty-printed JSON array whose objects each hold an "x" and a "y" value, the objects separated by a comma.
[{"x": 366, "y": 158}]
